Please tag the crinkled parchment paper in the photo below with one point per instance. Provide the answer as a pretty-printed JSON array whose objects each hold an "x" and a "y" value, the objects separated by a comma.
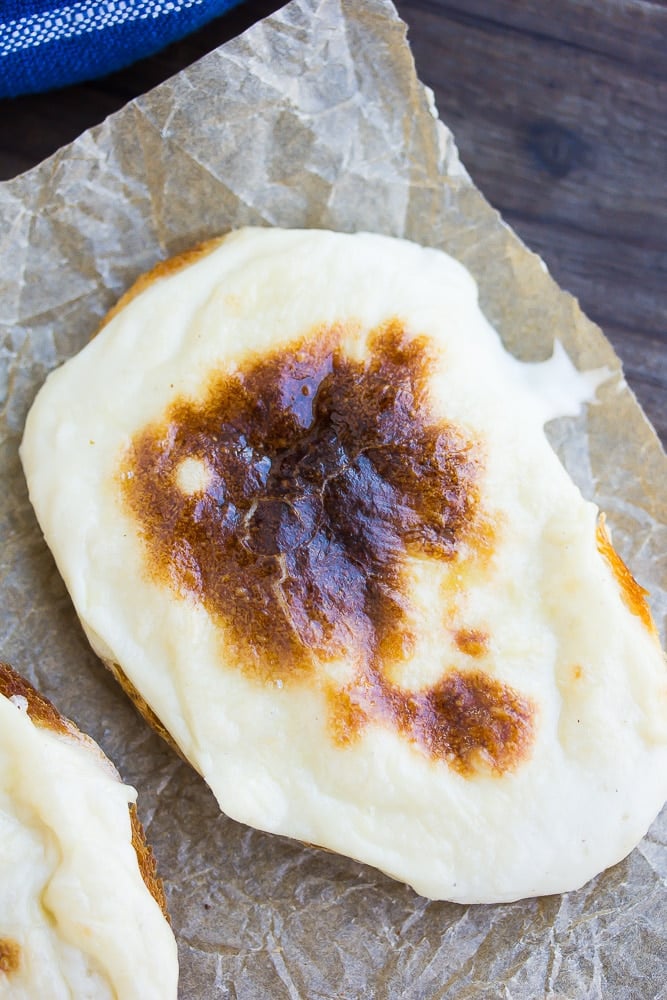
[{"x": 312, "y": 118}]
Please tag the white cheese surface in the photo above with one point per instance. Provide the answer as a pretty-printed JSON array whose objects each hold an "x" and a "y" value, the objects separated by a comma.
[
  {"x": 72, "y": 898},
  {"x": 560, "y": 632}
]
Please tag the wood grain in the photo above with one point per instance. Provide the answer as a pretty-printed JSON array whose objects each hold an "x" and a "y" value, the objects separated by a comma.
[
  {"x": 560, "y": 113},
  {"x": 561, "y": 119}
]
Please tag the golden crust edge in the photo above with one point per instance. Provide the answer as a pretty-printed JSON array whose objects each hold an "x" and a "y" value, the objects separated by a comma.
[
  {"x": 163, "y": 269},
  {"x": 45, "y": 715},
  {"x": 142, "y": 706},
  {"x": 149, "y": 716},
  {"x": 633, "y": 595}
]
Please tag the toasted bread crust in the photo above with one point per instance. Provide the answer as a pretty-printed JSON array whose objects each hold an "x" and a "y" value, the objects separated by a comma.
[
  {"x": 44, "y": 715},
  {"x": 162, "y": 269},
  {"x": 141, "y": 705},
  {"x": 147, "y": 864},
  {"x": 632, "y": 593}
]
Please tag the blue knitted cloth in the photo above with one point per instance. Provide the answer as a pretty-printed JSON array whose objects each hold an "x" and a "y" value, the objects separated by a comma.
[{"x": 52, "y": 43}]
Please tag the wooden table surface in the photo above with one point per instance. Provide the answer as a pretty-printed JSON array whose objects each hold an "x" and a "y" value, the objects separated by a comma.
[{"x": 560, "y": 114}]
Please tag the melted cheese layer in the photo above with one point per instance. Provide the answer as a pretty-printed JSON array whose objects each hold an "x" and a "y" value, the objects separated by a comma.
[
  {"x": 554, "y": 622},
  {"x": 72, "y": 898}
]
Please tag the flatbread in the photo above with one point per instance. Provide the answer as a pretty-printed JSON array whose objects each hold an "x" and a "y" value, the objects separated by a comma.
[
  {"x": 82, "y": 910},
  {"x": 305, "y": 508}
]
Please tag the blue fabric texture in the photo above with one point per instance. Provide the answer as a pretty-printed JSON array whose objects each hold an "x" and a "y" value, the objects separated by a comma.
[{"x": 52, "y": 43}]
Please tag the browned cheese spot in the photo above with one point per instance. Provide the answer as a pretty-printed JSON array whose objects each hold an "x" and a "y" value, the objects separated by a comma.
[
  {"x": 322, "y": 474},
  {"x": 634, "y": 596},
  {"x": 40, "y": 710},
  {"x": 10, "y": 956},
  {"x": 471, "y": 641},
  {"x": 470, "y": 720}
]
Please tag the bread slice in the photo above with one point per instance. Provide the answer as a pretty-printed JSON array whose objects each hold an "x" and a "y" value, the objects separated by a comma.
[
  {"x": 305, "y": 508},
  {"x": 82, "y": 910}
]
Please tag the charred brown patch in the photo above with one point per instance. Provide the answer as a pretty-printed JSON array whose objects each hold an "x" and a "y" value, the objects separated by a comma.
[
  {"x": 470, "y": 720},
  {"x": 634, "y": 596},
  {"x": 315, "y": 475},
  {"x": 10, "y": 956},
  {"x": 471, "y": 641}
]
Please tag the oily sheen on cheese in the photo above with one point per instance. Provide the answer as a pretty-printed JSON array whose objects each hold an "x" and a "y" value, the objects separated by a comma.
[
  {"x": 80, "y": 905},
  {"x": 304, "y": 506}
]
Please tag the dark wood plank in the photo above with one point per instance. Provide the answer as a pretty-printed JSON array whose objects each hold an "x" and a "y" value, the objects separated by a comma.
[
  {"x": 562, "y": 121},
  {"x": 630, "y": 32}
]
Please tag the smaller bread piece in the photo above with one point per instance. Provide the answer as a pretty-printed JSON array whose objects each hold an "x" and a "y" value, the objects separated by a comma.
[{"x": 82, "y": 910}]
